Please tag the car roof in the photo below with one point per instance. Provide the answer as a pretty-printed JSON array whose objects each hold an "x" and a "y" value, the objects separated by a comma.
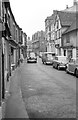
[
  {"x": 60, "y": 56},
  {"x": 48, "y": 53}
]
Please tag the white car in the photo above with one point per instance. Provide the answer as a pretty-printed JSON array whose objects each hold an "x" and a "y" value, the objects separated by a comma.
[
  {"x": 60, "y": 62},
  {"x": 32, "y": 58}
]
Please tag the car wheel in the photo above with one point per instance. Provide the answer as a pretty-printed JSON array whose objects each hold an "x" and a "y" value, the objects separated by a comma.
[
  {"x": 53, "y": 66},
  {"x": 66, "y": 70},
  {"x": 58, "y": 67},
  {"x": 76, "y": 73},
  {"x": 42, "y": 62}
]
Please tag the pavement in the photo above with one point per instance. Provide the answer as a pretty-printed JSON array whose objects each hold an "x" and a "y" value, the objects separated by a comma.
[
  {"x": 0, "y": 113},
  {"x": 14, "y": 106}
]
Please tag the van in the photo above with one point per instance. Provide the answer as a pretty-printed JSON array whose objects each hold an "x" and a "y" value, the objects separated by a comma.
[{"x": 48, "y": 57}]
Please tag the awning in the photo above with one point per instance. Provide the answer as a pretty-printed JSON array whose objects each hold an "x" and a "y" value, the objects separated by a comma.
[{"x": 13, "y": 43}]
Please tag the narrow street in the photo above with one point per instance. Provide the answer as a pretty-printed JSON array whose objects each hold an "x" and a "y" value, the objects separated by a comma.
[
  {"x": 47, "y": 92},
  {"x": 43, "y": 32}
]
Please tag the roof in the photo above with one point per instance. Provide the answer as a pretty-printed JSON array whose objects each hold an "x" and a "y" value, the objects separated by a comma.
[
  {"x": 66, "y": 18},
  {"x": 51, "y": 18},
  {"x": 73, "y": 26},
  {"x": 7, "y": 5},
  {"x": 74, "y": 8},
  {"x": 5, "y": 0},
  {"x": 48, "y": 52}
]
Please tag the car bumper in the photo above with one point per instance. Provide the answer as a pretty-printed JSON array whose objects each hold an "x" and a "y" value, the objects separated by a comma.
[
  {"x": 31, "y": 61},
  {"x": 62, "y": 66},
  {"x": 48, "y": 62}
]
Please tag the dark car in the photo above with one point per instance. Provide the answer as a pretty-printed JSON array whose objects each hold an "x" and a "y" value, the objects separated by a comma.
[
  {"x": 32, "y": 58},
  {"x": 72, "y": 67},
  {"x": 60, "y": 62}
]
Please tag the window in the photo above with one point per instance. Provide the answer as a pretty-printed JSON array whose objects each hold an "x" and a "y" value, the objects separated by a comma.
[
  {"x": 64, "y": 52},
  {"x": 55, "y": 35},
  {"x": 14, "y": 31},
  {"x": 57, "y": 24},
  {"x": 49, "y": 28},
  {"x": 56, "y": 58},
  {"x": 67, "y": 38},
  {"x": 9, "y": 20}
]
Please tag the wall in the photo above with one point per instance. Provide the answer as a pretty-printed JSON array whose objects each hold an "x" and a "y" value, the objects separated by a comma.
[
  {"x": 0, "y": 69},
  {"x": 72, "y": 38}
]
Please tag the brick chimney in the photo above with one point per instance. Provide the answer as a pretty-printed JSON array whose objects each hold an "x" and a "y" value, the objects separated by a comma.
[{"x": 67, "y": 7}]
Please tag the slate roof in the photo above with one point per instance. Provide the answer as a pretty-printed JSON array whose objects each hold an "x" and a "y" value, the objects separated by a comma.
[
  {"x": 5, "y": 0},
  {"x": 51, "y": 18},
  {"x": 66, "y": 18},
  {"x": 74, "y": 24}
]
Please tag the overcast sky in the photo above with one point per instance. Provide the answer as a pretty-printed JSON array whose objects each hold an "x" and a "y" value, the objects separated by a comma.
[{"x": 30, "y": 15}]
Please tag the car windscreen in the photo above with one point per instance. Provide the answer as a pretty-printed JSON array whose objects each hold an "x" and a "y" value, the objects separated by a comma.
[
  {"x": 32, "y": 54},
  {"x": 62, "y": 59},
  {"x": 50, "y": 56}
]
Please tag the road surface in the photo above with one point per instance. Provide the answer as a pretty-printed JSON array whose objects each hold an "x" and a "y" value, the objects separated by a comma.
[{"x": 47, "y": 92}]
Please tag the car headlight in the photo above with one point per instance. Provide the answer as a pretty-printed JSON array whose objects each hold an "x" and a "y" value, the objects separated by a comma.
[{"x": 67, "y": 65}]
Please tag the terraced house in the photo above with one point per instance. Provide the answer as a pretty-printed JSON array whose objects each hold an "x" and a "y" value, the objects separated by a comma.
[
  {"x": 62, "y": 23},
  {"x": 70, "y": 39},
  {"x": 38, "y": 42},
  {"x": 56, "y": 25},
  {"x": 50, "y": 33},
  {"x": 12, "y": 45}
]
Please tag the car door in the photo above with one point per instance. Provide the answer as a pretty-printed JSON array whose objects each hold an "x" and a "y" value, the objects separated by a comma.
[{"x": 72, "y": 66}]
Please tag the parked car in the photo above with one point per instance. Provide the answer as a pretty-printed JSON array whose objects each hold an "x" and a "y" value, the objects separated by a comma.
[
  {"x": 60, "y": 62},
  {"x": 31, "y": 58},
  {"x": 72, "y": 67},
  {"x": 47, "y": 57}
]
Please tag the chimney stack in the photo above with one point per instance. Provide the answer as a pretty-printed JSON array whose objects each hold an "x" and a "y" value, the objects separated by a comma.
[
  {"x": 75, "y": 2},
  {"x": 67, "y": 7}
]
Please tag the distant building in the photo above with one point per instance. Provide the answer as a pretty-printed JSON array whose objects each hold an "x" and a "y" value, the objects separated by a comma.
[
  {"x": 50, "y": 33},
  {"x": 24, "y": 45},
  {"x": 38, "y": 42},
  {"x": 29, "y": 44}
]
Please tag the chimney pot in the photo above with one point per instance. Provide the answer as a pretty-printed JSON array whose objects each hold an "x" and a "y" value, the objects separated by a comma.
[
  {"x": 75, "y": 2},
  {"x": 67, "y": 7}
]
